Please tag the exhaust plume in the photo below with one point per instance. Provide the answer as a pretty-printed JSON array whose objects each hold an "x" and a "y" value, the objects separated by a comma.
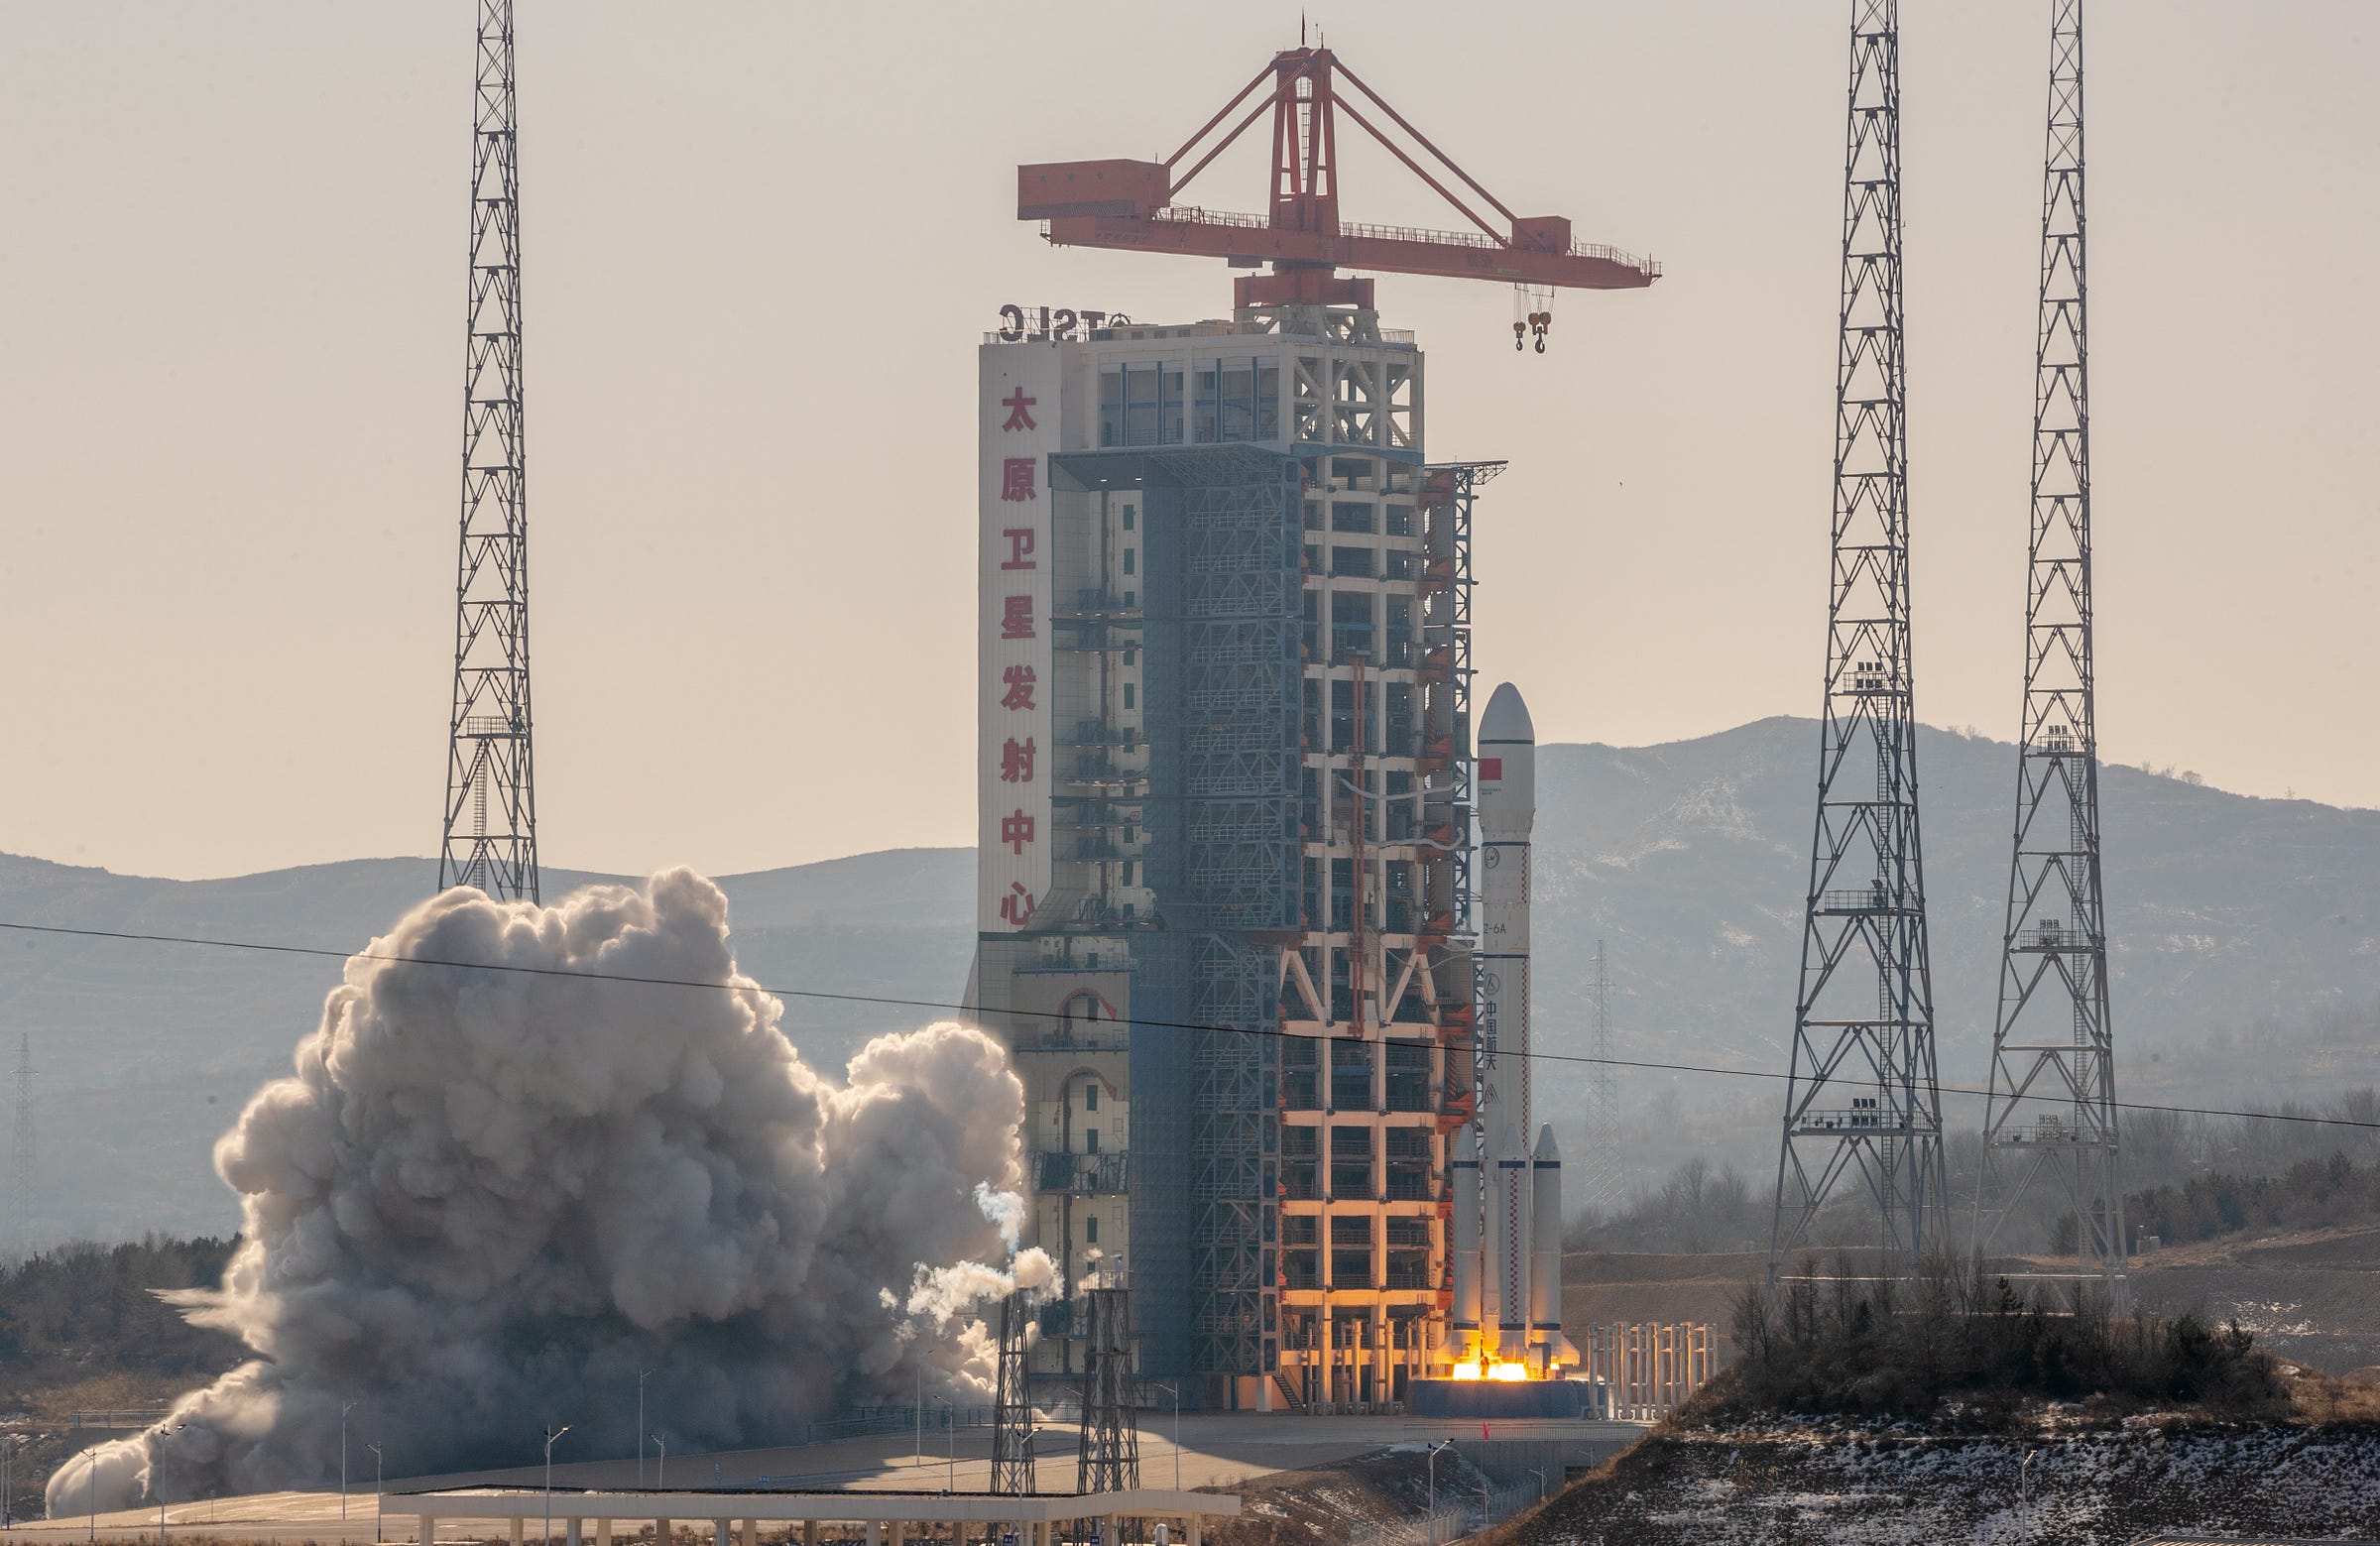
[{"x": 487, "y": 1199}]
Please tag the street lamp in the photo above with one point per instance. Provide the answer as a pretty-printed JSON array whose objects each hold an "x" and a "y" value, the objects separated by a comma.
[
  {"x": 640, "y": 1373},
  {"x": 551, "y": 1433},
  {"x": 661, "y": 1470},
  {"x": 378, "y": 1497},
  {"x": 161, "y": 1497},
  {"x": 1540, "y": 1475},
  {"x": 1176, "y": 1392},
  {"x": 343, "y": 1411},
  {"x": 1432, "y": 1453},
  {"x": 8, "y": 1496},
  {"x": 950, "y": 1432}
]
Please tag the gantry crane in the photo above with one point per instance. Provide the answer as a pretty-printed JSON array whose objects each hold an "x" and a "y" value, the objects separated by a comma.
[{"x": 1131, "y": 205}]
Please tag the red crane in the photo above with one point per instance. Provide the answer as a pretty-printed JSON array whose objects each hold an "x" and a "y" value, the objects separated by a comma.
[{"x": 1130, "y": 205}]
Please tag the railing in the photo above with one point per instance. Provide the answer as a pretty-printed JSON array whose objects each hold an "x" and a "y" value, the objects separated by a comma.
[
  {"x": 1468, "y": 1514},
  {"x": 1069, "y": 1172},
  {"x": 1874, "y": 899},
  {"x": 1191, "y": 214}
]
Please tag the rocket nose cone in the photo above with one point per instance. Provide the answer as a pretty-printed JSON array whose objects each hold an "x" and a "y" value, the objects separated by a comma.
[
  {"x": 1507, "y": 717},
  {"x": 1467, "y": 1144},
  {"x": 1546, "y": 1147}
]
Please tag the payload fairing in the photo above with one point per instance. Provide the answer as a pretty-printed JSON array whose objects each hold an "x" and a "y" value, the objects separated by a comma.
[{"x": 1508, "y": 1273}]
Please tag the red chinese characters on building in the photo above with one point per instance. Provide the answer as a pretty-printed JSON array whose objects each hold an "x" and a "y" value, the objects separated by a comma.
[
  {"x": 1019, "y": 684},
  {"x": 1016, "y": 761}
]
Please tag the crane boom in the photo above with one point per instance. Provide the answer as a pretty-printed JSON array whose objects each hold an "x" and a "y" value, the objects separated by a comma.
[{"x": 1130, "y": 205}]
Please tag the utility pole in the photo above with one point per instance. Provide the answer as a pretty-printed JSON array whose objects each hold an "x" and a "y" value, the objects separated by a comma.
[
  {"x": 1603, "y": 1190},
  {"x": 642, "y": 1376},
  {"x": 491, "y": 815},
  {"x": 2050, "y": 1116},
  {"x": 1862, "y": 1098},
  {"x": 25, "y": 1181}
]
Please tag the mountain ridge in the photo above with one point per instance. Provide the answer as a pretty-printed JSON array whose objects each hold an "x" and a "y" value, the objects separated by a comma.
[{"x": 2244, "y": 954}]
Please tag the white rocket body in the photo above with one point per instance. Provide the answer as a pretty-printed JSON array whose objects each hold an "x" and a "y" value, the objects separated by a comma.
[
  {"x": 1520, "y": 1273},
  {"x": 1467, "y": 1237}
]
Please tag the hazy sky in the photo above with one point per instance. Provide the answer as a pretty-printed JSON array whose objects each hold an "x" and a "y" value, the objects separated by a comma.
[{"x": 763, "y": 239}]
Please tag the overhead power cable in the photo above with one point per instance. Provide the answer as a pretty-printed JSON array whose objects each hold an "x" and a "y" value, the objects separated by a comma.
[{"x": 822, "y": 995}]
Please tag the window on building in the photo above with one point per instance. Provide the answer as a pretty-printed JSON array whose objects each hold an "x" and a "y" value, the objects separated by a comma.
[
  {"x": 1355, "y": 562},
  {"x": 1090, "y": 1140},
  {"x": 1139, "y": 405},
  {"x": 1238, "y": 399},
  {"x": 1128, "y": 867},
  {"x": 1351, "y": 516},
  {"x": 1127, "y": 517},
  {"x": 1128, "y": 694},
  {"x": 1128, "y": 560},
  {"x": 1091, "y": 1224},
  {"x": 1091, "y": 1096}
]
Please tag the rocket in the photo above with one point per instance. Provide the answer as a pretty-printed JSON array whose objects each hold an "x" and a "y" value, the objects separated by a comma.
[{"x": 1507, "y": 1198}]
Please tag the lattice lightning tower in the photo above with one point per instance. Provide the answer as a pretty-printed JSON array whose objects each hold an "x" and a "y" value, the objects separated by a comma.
[
  {"x": 2050, "y": 1112},
  {"x": 490, "y": 838},
  {"x": 1012, "y": 1469},
  {"x": 1108, "y": 1457},
  {"x": 1862, "y": 1095}
]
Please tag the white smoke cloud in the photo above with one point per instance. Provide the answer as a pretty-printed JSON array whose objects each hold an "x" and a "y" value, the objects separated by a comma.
[{"x": 486, "y": 1200}]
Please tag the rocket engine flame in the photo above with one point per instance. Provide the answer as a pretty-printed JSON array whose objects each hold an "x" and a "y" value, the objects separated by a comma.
[{"x": 485, "y": 1197}]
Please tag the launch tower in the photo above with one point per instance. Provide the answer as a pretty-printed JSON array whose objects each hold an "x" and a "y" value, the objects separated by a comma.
[{"x": 1226, "y": 775}]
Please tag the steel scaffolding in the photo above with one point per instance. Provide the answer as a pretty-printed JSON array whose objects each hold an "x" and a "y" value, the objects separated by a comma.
[
  {"x": 491, "y": 817},
  {"x": 2050, "y": 1116},
  {"x": 1862, "y": 1094}
]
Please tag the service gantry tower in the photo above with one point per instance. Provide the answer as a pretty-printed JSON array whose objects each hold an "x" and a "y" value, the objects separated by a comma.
[
  {"x": 1225, "y": 759},
  {"x": 2050, "y": 1116},
  {"x": 1862, "y": 1096},
  {"x": 491, "y": 821}
]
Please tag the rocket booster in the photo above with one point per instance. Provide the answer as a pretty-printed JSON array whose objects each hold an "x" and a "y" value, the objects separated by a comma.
[{"x": 1511, "y": 1291}]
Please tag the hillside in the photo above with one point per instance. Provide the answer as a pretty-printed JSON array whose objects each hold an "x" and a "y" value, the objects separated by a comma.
[
  {"x": 1796, "y": 1481},
  {"x": 2247, "y": 957}
]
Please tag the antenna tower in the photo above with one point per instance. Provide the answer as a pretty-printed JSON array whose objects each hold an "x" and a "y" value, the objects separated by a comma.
[
  {"x": 2050, "y": 1116},
  {"x": 26, "y": 1182},
  {"x": 1862, "y": 1095},
  {"x": 490, "y": 838},
  {"x": 1011, "y": 1406},
  {"x": 1110, "y": 1457},
  {"x": 1602, "y": 1192}
]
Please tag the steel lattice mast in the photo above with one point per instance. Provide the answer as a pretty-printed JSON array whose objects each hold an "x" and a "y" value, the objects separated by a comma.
[
  {"x": 491, "y": 837},
  {"x": 1013, "y": 1471},
  {"x": 2051, "y": 1110},
  {"x": 1862, "y": 1095}
]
